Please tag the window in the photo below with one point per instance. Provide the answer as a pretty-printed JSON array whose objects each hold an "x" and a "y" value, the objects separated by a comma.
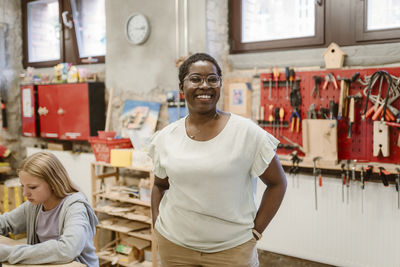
[
  {"x": 257, "y": 25},
  {"x": 63, "y": 31},
  {"x": 378, "y": 20}
]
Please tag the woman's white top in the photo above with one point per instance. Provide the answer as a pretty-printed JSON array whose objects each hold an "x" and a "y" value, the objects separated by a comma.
[{"x": 210, "y": 205}]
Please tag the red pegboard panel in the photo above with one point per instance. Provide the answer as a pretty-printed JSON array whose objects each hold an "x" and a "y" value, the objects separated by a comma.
[{"x": 360, "y": 145}]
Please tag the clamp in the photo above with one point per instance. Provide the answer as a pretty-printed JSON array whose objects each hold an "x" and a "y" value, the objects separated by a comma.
[{"x": 383, "y": 174}]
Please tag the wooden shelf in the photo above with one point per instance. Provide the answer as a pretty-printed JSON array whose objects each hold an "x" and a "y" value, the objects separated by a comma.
[
  {"x": 98, "y": 174},
  {"x": 139, "y": 218},
  {"x": 143, "y": 169},
  {"x": 134, "y": 233},
  {"x": 130, "y": 200}
]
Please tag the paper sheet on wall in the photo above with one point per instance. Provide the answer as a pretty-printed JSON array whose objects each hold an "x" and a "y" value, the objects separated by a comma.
[{"x": 238, "y": 94}]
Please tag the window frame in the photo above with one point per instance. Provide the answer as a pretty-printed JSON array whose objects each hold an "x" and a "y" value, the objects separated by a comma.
[
  {"x": 362, "y": 34},
  {"x": 68, "y": 43},
  {"x": 339, "y": 21}
]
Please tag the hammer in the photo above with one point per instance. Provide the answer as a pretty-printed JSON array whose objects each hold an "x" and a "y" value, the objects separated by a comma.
[{"x": 352, "y": 98}]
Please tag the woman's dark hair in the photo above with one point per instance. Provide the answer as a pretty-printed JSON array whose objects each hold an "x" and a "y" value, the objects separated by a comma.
[{"x": 184, "y": 68}]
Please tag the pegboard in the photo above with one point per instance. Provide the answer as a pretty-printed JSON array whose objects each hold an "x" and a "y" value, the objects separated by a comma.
[{"x": 360, "y": 145}]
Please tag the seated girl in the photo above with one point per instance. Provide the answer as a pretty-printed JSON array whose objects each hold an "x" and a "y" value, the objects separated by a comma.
[{"x": 59, "y": 222}]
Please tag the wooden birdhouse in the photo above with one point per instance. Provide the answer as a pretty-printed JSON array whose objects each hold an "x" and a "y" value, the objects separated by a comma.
[{"x": 334, "y": 57}]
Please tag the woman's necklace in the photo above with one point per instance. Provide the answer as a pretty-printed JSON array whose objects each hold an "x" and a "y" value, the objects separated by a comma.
[{"x": 193, "y": 136}]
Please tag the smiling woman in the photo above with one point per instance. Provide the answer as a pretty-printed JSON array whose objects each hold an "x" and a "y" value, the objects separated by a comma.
[
  {"x": 59, "y": 222},
  {"x": 205, "y": 167}
]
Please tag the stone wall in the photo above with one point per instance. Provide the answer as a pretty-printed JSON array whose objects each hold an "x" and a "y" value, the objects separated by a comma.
[{"x": 10, "y": 17}]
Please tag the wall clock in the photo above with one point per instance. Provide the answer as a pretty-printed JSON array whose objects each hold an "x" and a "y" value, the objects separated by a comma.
[{"x": 137, "y": 29}]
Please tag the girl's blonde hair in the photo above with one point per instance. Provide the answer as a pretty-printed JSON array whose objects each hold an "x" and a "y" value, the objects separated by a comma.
[{"x": 46, "y": 166}]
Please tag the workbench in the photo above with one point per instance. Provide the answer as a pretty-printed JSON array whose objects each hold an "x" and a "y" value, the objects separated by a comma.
[{"x": 11, "y": 242}]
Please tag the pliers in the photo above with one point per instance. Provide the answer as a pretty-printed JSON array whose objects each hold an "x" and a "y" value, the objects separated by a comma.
[
  {"x": 330, "y": 78},
  {"x": 295, "y": 119}
]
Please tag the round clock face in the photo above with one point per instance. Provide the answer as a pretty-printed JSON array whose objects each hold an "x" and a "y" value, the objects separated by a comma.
[{"x": 137, "y": 29}]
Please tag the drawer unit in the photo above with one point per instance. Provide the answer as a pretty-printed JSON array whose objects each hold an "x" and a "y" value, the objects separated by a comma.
[{"x": 71, "y": 111}]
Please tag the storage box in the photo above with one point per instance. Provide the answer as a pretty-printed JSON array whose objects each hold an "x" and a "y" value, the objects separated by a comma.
[
  {"x": 102, "y": 147},
  {"x": 10, "y": 197},
  {"x": 131, "y": 249},
  {"x": 121, "y": 157}
]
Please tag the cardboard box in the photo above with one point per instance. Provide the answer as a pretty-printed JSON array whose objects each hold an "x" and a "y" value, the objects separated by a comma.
[
  {"x": 131, "y": 248},
  {"x": 121, "y": 157},
  {"x": 59, "y": 146},
  {"x": 10, "y": 197}
]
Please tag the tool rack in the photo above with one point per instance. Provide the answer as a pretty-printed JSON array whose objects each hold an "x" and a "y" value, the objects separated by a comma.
[{"x": 359, "y": 147}]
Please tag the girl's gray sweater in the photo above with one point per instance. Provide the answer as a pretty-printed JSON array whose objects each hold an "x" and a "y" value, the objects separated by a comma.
[{"x": 77, "y": 227}]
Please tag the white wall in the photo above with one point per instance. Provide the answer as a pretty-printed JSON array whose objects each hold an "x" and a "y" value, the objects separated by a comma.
[
  {"x": 337, "y": 233},
  {"x": 141, "y": 68}
]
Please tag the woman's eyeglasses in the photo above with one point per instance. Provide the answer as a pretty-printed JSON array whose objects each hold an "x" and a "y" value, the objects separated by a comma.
[{"x": 197, "y": 80}]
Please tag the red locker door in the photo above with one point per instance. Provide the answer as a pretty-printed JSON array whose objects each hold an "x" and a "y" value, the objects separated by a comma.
[
  {"x": 73, "y": 111},
  {"x": 47, "y": 110},
  {"x": 28, "y": 112}
]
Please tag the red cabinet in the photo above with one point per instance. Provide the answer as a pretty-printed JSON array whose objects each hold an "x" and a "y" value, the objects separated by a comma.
[
  {"x": 28, "y": 111},
  {"x": 71, "y": 111}
]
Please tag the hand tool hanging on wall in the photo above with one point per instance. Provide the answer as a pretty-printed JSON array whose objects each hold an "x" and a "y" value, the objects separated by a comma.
[
  {"x": 382, "y": 75},
  {"x": 295, "y": 167},
  {"x": 315, "y": 181},
  {"x": 362, "y": 184},
  {"x": 383, "y": 175},
  {"x": 271, "y": 118},
  {"x": 320, "y": 177},
  {"x": 287, "y": 74},
  {"x": 276, "y": 122},
  {"x": 295, "y": 120},
  {"x": 270, "y": 86},
  {"x": 353, "y": 170},
  {"x": 344, "y": 91},
  {"x": 295, "y": 103},
  {"x": 317, "y": 82},
  {"x": 311, "y": 113},
  {"x": 368, "y": 173},
  {"x": 276, "y": 79},
  {"x": 353, "y": 99},
  {"x": 281, "y": 116},
  {"x": 343, "y": 174},
  {"x": 330, "y": 78},
  {"x": 292, "y": 76}
]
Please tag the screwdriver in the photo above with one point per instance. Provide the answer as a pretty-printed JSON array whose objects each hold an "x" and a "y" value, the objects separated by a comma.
[
  {"x": 291, "y": 78},
  {"x": 287, "y": 72},
  {"x": 276, "y": 76},
  {"x": 270, "y": 85},
  {"x": 271, "y": 118},
  {"x": 281, "y": 115},
  {"x": 276, "y": 123}
]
